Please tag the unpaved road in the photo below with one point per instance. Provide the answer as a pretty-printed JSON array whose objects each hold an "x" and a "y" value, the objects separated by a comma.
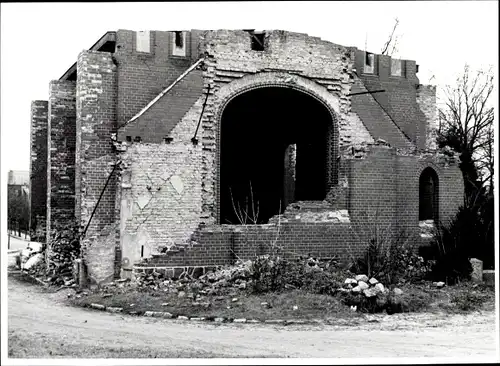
[{"x": 40, "y": 325}]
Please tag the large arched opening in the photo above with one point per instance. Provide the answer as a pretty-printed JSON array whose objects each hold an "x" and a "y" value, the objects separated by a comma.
[{"x": 276, "y": 147}]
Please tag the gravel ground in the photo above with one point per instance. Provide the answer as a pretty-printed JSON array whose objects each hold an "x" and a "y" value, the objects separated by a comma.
[{"x": 41, "y": 325}]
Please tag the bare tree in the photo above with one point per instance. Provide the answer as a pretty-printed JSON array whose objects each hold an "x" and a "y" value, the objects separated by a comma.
[
  {"x": 485, "y": 161},
  {"x": 466, "y": 125},
  {"x": 392, "y": 42}
]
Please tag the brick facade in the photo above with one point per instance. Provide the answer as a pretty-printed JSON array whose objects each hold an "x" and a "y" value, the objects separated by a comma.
[
  {"x": 399, "y": 97},
  {"x": 61, "y": 155},
  {"x": 38, "y": 169},
  {"x": 137, "y": 113},
  {"x": 96, "y": 121},
  {"x": 426, "y": 99}
]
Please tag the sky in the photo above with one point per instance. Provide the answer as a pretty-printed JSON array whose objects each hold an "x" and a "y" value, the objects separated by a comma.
[{"x": 40, "y": 41}]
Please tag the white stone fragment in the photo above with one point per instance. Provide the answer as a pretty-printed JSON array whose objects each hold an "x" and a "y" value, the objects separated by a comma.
[{"x": 177, "y": 183}]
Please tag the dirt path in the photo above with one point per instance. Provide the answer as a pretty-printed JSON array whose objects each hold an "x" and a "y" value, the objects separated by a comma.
[{"x": 41, "y": 326}]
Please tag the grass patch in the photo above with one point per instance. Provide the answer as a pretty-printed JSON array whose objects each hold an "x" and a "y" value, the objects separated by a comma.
[
  {"x": 289, "y": 304},
  {"x": 293, "y": 304}
]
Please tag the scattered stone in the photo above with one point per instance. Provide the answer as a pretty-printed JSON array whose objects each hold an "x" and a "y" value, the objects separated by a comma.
[
  {"x": 181, "y": 294},
  {"x": 477, "y": 270},
  {"x": 363, "y": 285},
  {"x": 98, "y": 306},
  {"x": 372, "y": 319},
  {"x": 439, "y": 284},
  {"x": 397, "y": 291},
  {"x": 356, "y": 289},
  {"x": 132, "y": 305},
  {"x": 219, "y": 320},
  {"x": 354, "y": 308},
  {"x": 363, "y": 278},
  {"x": 234, "y": 299},
  {"x": 373, "y": 281},
  {"x": 165, "y": 304},
  {"x": 198, "y": 319},
  {"x": 294, "y": 321},
  {"x": 242, "y": 320},
  {"x": 242, "y": 286},
  {"x": 114, "y": 309},
  {"x": 182, "y": 317},
  {"x": 295, "y": 307},
  {"x": 370, "y": 292},
  {"x": 379, "y": 287},
  {"x": 274, "y": 321},
  {"x": 266, "y": 305},
  {"x": 350, "y": 281},
  {"x": 158, "y": 314}
]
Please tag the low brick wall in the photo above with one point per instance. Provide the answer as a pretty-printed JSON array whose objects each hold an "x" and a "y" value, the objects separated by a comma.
[{"x": 224, "y": 244}]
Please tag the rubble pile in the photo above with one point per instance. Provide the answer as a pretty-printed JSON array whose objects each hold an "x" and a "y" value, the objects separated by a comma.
[
  {"x": 32, "y": 261},
  {"x": 31, "y": 257},
  {"x": 223, "y": 281},
  {"x": 370, "y": 294},
  {"x": 362, "y": 285},
  {"x": 64, "y": 249}
]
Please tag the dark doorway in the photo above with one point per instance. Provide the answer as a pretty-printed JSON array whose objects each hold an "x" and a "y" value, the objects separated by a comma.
[
  {"x": 428, "y": 195},
  {"x": 257, "y": 129}
]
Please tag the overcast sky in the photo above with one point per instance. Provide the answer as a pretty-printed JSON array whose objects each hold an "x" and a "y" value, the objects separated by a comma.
[{"x": 40, "y": 41}]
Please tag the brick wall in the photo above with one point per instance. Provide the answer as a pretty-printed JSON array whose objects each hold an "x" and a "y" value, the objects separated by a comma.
[
  {"x": 61, "y": 155},
  {"x": 375, "y": 118},
  {"x": 233, "y": 67},
  {"x": 161, "y": 191},
  {"x": 426, "y": 99},
  {"x": 96, "y": 156},
  {"x": 373, "y": 191},
  {"x": 223, "y": 244},
  {"x": 142, "y": 76},
  {"x": 399, "y": 98},
  {"x": 38, "y": 169},
  {"x": 159, "y": 120}
]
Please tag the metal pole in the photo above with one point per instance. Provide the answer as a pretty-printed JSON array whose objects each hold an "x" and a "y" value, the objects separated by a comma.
[{"x": 99, "y": 200}]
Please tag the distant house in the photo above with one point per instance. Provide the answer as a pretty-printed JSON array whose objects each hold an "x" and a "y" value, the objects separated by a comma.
[
  {"x": 18, "y": 183},
  {"x": 18, "y": 194}
]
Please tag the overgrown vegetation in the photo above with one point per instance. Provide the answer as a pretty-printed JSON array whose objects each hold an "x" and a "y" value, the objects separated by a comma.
[
  {"x": 466, "y": 126},
  {"x": 389, "y": 254}
]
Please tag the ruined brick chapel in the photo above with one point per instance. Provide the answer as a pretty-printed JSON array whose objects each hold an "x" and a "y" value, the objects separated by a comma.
[{"x": 186, "y": 150}]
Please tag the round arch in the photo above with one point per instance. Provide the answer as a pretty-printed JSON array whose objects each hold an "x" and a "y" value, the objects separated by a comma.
[
  {"x": 261, "y": 83},
  {"x": 428, "y": 197}
]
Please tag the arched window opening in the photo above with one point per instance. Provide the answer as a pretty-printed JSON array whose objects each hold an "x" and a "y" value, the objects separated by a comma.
[{"x": 428, "y": 195}]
